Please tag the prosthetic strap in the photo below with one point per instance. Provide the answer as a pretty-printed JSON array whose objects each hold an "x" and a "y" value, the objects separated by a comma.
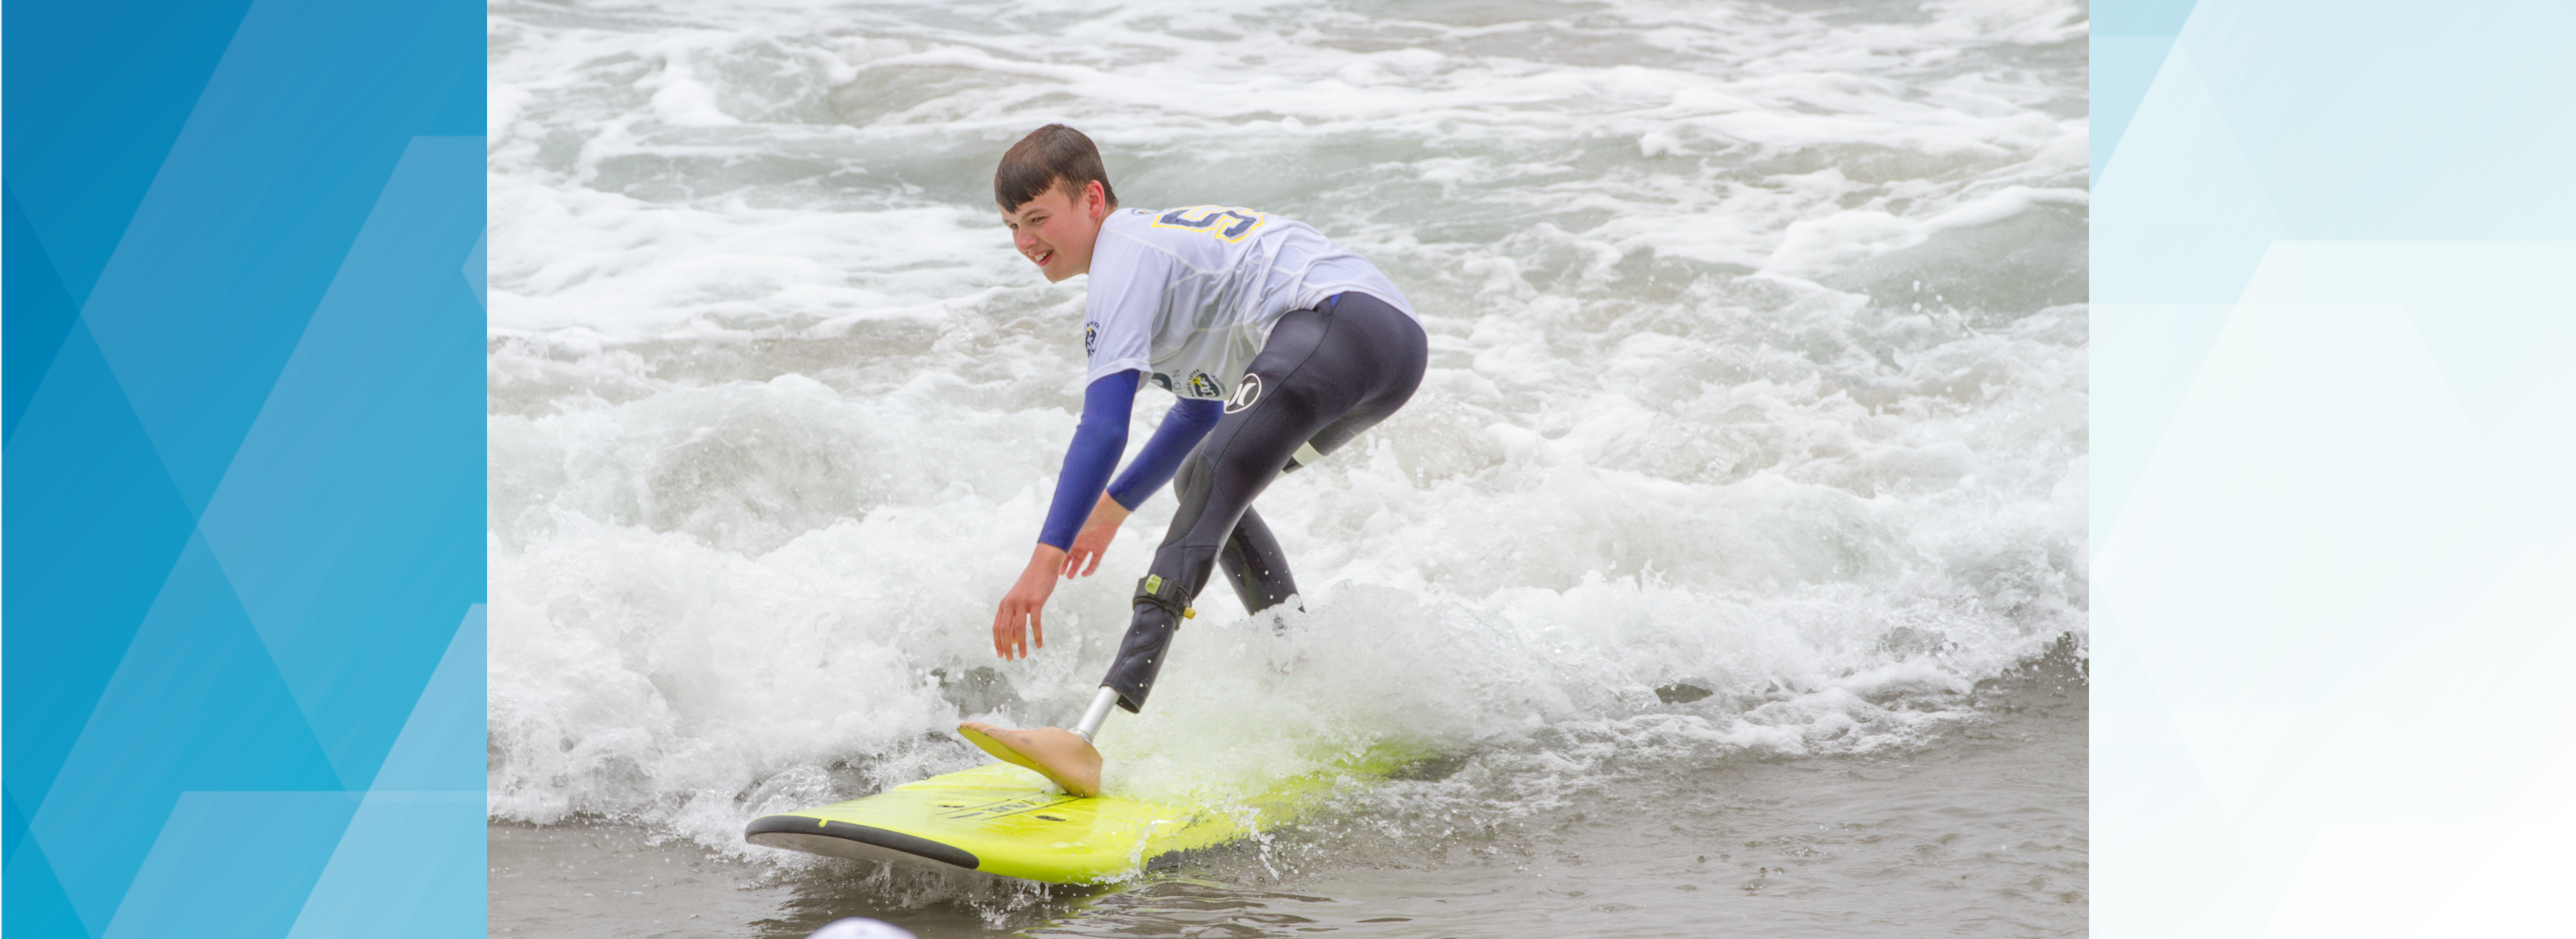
[{"x": 1165, "y": 594}]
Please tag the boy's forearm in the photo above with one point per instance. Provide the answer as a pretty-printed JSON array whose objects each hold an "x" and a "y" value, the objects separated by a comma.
[
  {"x": 1181, "y": 430},
  {"x": 1090, "y": 459}
]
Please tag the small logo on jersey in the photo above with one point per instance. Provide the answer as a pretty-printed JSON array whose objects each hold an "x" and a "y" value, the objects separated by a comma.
[
  {"x": 1201, "y": 386},
  {"x": 1090, "y": 337},
  {"x": 1246, "y": 394},
  {"x": 1163, "y": 380}
]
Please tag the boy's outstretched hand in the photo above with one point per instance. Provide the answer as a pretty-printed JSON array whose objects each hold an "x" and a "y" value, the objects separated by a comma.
[
  {"x": 1095, "y": 537},
  {"x": 1017, "y": 627}
]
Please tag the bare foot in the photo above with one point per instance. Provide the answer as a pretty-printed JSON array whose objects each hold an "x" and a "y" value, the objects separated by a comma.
[{"x": 1054, "y": 752}]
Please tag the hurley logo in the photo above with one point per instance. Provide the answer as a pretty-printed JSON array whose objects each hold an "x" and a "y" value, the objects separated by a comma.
[{"x": 1246, "y": 394}]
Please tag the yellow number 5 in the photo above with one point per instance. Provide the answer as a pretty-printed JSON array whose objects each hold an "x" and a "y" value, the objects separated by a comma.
[{"x": 1220, "y": 222}]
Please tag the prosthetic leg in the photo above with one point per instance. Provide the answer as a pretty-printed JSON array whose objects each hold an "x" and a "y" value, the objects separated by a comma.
[
  {"x": 1252, "y": 563},
  {"x": 1259, "y": 572}
]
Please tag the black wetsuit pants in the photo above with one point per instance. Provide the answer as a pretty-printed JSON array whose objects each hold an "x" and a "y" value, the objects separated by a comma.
[{"x": 1325, "y": 375}]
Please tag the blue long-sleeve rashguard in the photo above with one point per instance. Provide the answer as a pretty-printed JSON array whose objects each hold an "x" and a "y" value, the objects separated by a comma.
[{"x": 1102, "y": 436}]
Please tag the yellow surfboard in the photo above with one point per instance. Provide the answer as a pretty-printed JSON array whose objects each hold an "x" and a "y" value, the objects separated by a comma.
[{"x": 1001, "y": 819}]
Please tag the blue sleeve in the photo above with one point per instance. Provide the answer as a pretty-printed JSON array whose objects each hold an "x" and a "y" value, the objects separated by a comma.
[
  {"x": 1097, "y": 442},
  {"x": 1181, "y": 429}
]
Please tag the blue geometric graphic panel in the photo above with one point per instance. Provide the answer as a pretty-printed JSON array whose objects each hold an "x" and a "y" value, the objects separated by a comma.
[
  {"x": 197, "y": 679},
  {"x": 289, "y": 521},
  {"x": 420, "y": 831},
  {"x": 2122, "y": 67},
  {"x": 275, "y": 838},
  {"x": 2334, "y": 285},
  {"x": 93, "y": 529},
  {"x": 240, "y": 621},
  {"x": 40, "y": 311},
  {"x": 2129, "y": 45},
  {"x": 2140, "y": 17},
  {"x": 117, "y": 81}
]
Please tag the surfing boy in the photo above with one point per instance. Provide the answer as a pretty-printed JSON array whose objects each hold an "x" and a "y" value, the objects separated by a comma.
[{"x": 1281, "y": 345}]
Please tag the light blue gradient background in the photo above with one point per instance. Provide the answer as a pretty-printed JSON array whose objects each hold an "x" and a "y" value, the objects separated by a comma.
[{"x": 2333, "y": 468}]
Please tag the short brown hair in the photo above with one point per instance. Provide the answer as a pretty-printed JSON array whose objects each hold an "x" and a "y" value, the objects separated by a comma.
[{"x": 1047, "y": 154}]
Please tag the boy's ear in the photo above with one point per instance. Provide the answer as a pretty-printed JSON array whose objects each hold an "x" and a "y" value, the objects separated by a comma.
[{"x": 1095, "y": 200}]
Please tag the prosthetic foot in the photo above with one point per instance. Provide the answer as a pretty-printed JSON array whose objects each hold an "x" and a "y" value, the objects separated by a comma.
[
  {"x": 1055, "y": 753},
  {"x": 1067, "y": 756}
]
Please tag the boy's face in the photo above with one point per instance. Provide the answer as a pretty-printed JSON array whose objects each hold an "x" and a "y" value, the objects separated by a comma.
[{"x": 1056, "y": 229}]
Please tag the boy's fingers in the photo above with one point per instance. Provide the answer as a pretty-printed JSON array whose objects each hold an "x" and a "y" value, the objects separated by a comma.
[{"x": 1006, "y": 631}]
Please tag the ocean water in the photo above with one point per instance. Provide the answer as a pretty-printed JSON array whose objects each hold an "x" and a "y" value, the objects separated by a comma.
[{"x": 1729, "y": 565}]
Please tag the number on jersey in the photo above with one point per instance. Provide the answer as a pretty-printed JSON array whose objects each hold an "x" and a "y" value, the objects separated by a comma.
[{"x": 1220, "y": 222}]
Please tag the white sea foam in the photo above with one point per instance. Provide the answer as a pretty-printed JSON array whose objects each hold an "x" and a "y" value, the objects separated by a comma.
[{"x": 1757, "y": 373}]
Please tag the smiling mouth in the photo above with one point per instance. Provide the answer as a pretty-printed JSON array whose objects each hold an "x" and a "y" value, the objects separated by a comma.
[{"x": 1042, "y": 257}]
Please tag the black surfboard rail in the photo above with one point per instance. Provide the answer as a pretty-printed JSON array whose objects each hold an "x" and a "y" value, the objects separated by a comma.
[{"x": 795, "y": 826}]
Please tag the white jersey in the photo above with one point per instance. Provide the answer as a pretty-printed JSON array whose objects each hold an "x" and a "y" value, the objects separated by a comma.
[{"x": 1189, "y": 295}]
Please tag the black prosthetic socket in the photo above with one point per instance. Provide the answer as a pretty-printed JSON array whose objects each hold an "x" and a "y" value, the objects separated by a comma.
[{"x": 1140, "y": 656}]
